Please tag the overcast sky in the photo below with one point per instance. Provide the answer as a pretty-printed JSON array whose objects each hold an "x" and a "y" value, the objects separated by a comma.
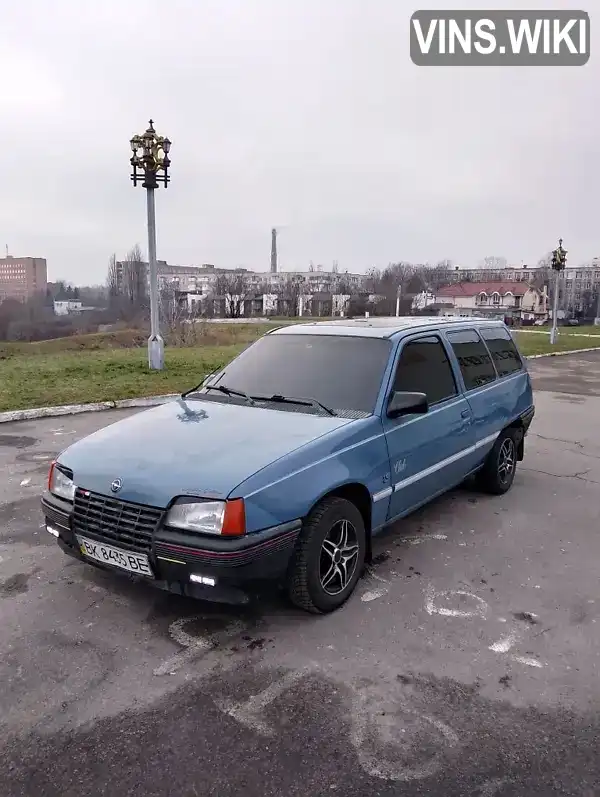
[{"x": 302, "y": 114}]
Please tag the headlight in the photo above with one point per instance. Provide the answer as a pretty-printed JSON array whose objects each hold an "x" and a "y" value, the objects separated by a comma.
[
  {"x": 60, "y": 483},
  {"x": 226, "y": 518}
]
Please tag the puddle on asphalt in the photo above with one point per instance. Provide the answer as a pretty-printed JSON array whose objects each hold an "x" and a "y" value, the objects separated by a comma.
[{"x": 16, "y": 441}]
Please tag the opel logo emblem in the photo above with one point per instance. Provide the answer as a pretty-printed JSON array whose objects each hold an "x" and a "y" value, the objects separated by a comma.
[{"x": 116, "y": 485}]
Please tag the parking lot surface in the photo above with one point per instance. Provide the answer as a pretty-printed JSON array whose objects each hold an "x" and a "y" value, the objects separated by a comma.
[{"x": 465, "y": 664}]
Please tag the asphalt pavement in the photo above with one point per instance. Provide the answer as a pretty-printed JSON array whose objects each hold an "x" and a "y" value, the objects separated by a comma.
[{"x": 465, "y": 664}]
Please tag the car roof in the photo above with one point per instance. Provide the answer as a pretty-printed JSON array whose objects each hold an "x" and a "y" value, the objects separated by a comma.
[{"x": 380, "y": 327}]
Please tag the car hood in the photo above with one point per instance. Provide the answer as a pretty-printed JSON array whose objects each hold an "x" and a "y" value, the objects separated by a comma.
[{"x": 189, "y": 447}]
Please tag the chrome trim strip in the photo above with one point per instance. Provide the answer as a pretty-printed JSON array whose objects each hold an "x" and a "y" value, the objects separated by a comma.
[
  {"x": 382, "y": 494},
  {"x": 448, "y": 461}
]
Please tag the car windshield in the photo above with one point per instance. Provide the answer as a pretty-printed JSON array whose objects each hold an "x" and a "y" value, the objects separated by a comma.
[{"x": 342, "y": 373}]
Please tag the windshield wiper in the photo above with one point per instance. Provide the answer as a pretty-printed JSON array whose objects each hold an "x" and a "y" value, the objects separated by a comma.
[
  {"x": 197, "y": 387},
  {"x": 228, "y": 391},
  {"x": 307, "y": 402}
]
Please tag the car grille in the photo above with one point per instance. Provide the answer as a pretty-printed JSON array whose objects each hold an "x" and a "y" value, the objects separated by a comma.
[{"x": 118, "y": 522}]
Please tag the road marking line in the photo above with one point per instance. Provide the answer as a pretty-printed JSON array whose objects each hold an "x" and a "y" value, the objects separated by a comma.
[
  {"x": 194, "y": 646},
  {"x": 418, "y": 539},
  {"x": 371, "y": 728},
  {"x": 248, "y": 713},
  {"x": 505, "y": 644},
  {"x": 433, "y": 598},
  {"x": 529, "y": 662}
]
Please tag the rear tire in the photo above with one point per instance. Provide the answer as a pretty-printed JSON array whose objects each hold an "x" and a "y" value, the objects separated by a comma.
[
  {"x": 498, "y": 472},
  {"x": 329, "y": 557}
]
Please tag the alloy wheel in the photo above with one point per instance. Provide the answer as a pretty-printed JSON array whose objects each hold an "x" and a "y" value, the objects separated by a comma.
[
  {"x": 339, "y": 557},
  {"x": 506, "y": 460}
]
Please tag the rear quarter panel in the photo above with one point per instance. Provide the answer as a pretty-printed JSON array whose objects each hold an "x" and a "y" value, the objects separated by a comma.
[{"x": 288, "y": 488}]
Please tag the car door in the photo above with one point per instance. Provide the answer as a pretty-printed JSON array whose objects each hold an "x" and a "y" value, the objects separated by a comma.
[
  {"x": 427, "y": 452},
  {"x": 481, "y": 386},
  {"x": 495, "y": 382}
]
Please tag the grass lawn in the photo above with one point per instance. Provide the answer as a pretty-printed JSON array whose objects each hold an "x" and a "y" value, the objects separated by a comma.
[
  {"x": 68, "y": 378},
  {"x": 582, "y": 330},
  {"x": 104, "y": 367},
  {"x": 534, "y": 343}
]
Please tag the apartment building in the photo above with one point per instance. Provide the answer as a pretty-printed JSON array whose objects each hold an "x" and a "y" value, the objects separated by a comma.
[
  {"x": 580, "y": 289},
  {"x": 22, "y": 277},
  {"x": 202, "y": 279},
  {"x": 579, "y": 285}
]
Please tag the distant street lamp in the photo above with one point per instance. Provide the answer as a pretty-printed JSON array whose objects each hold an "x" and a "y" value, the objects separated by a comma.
[
  {"x": 559, "y": 259},
  {"x": 595, "y": 263},
  {"x": 150, "y": 162}
]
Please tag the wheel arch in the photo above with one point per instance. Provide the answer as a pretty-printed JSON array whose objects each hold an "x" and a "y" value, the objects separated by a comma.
[
  {"x": 518, "y": 426},
  {"x": 359, "y": 495}
]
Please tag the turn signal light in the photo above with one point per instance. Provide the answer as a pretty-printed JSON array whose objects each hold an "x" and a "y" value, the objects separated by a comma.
[
  {"x": 50, "y": 472},
  {"x": 234, "y": 519}
]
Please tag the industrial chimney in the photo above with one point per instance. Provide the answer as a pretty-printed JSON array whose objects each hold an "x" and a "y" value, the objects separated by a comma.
[{"x": 273, "y": 251}]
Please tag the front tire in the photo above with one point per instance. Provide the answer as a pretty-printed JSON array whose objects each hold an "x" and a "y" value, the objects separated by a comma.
[
  {"x": 329, "y": 557},
  {"x": 498, "y": 472}
]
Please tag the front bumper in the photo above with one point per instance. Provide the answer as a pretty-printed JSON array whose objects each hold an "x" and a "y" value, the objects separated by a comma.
[{"x": 237, "y": 565}]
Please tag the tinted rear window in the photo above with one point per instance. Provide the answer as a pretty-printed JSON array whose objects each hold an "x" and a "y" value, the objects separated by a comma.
[
  {"x": 503, "y": 350},
  {"x": 342, "y": 372},
  {"x": 473, "y": 357}
]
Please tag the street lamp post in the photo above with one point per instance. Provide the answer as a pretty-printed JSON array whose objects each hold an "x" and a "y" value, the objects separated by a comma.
[
  {"x": 559, "y": 259},
  {"x": 150, "y": 162}
]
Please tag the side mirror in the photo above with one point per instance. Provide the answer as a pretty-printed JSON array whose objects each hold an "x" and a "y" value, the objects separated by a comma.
[{"x": 402, "y": 403}]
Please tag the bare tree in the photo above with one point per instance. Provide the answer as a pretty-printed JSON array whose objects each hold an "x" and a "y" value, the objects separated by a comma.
[
  {"x": 112, "y": 280},
  {"x": 439, "y": 275},
  {"x": 135, "y": 277},
  {"x": 390, "y": 284},
  {"x": 234, "y": 289},
  {"x": 292, "y": 288},
  {"x": 589, "y": 300},
  {"x": 171, "y": 309}
]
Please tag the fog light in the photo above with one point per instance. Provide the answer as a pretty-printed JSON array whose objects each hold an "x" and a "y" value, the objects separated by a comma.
[
  {"x": 206, "y": 580},
  {"x": 52, "y": 530}
]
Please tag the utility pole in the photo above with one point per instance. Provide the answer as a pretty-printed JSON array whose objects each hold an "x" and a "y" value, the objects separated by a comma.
[
  {"x": 273, "y": 251},
  {"x": 596, "y": 263},
  {"x": 559, "y": 259},
  {"x": 151, "y": 157}
]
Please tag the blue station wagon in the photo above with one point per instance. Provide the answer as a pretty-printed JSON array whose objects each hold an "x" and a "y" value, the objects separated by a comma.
[{"x": 286, "y": 463}]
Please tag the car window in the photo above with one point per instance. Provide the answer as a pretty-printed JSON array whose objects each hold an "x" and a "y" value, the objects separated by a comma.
[
  {"x": 423, "y": 367},
  {"x": 473, "y": 357},
  {"x": 342, "y": 372},
  {"x": 503, "y": 350}
]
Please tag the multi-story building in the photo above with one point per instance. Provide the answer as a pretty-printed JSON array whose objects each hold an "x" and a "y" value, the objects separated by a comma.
[
  {"x": 580, "y": 289},
  {"x": 579, "y": 285},
  {"x": 507, "y": 274},
  {"x": 506, "y": 299},
  {"x": 22, "y": 277}
]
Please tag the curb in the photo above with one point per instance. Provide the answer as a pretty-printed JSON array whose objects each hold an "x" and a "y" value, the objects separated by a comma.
[
  {"x": 561, "y": 353},
  {"x": 154, "y": 401},
  {"x": 76, "y": 409}
]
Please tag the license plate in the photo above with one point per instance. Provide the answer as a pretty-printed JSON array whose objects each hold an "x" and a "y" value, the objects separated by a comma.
[{"x": 132, "y": 562}]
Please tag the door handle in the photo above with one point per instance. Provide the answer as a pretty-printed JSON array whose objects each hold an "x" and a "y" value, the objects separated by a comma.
[{"x": 465, "y": 414}]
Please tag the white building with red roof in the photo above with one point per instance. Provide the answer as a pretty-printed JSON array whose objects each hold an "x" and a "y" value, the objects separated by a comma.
[{"x": 508, "y": 299}]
